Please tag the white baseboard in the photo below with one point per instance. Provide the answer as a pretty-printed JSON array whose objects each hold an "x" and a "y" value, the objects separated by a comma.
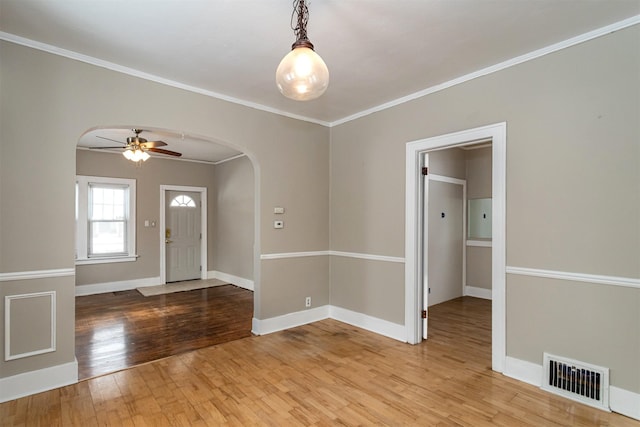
[
  {"x": 624, "y": 402},
  {"x": 236, "y": 280},
  {"x": 621, "y": 401},
  {"x": 124, "y": 285},
  {"x": 373, "y": 324},
  {"x": 522, "y": 370},
  {"x": 38, "y": 381},
  {"x": 291, "y": 320},
  {"x": 472, "y": 291}
]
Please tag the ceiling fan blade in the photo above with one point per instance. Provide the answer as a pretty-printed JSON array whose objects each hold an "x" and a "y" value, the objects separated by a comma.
[
  {"x": 109, "y": 139},
  {"x": 104, "y": 148},
  {"x": 167, "y": 152},
  {"x": 153, "y": 144}
]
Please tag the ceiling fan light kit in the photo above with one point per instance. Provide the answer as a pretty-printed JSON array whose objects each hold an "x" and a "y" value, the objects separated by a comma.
[
  {"x": 302, "y": 74},
  {"x": 136, "y": 155}
]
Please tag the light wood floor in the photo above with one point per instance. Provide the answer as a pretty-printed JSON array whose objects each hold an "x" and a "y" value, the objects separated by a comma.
[{"x": 326, "y": 373}]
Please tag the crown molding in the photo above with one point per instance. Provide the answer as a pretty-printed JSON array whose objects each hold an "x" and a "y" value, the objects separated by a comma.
[
  {"x": 634, "y": 20},
  {"x": 497, "y": 67},
  {"x": 147, "y": 76}
]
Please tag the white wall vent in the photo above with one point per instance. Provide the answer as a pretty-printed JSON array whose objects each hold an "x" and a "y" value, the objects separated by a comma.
[{"x": 579, "y": 381}]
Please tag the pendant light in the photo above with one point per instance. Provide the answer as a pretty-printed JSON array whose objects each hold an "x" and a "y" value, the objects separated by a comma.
[{"x": 302, "y": 75}]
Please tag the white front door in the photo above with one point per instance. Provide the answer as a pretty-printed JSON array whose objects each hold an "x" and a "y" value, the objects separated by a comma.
[{"x": 182, "y": 235}]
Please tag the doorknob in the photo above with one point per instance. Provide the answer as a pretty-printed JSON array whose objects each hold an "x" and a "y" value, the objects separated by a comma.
[{"x": 168, "y": 241}]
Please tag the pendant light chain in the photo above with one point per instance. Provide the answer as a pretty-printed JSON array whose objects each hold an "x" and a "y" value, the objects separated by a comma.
[{"x": 300, "y": 30}]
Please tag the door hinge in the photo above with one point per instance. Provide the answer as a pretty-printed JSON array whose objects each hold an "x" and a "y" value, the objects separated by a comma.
[
  {"x": 425, "y": 171},
  {"x": 424, "y": 314},
  {"x": 200, "y": 268}
]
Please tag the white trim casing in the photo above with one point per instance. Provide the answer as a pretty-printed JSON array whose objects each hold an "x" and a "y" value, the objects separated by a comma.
[
  {"x": 332, "y": 253},
  {"x": 370, "y": 323},
  {"x": 367, "y": 256},
  {"x": 106, "y": 260},
  {"x": 476, "y": 74},
  {"x": 299, "y": 318},
  {"x": 576, "y": 277},
  {"x": 624, "y": 402},
  {"x": 37, "y": 274},
  {"x": 620, "y": 400},
  {"x": 234, "y": 280},
  {"x": 289, "y": 320},
  {"x": 495, "y": 68},
  {"x": 447, "y": 179},
  {"x": 122, "y": 285},
  {"x": 83, "y": 188},
  {"x": 37, "y": 381},
  {"x": 472, "y": 291},
  {"x": 203, "y": 228},
  {"x": 7, "y": 325},
  {"x": 413, "y": 285},
  {"x": 293, "y": 254},
  {"x": 479, "y": 243}
]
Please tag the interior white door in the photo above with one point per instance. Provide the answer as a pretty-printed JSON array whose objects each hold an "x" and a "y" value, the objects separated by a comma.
[
  {"x": 446, "y": 240},
  {"x": 182, "y": 235},
  {"x": 425, "y": 252},
  {"x": 442, "y": 243}
]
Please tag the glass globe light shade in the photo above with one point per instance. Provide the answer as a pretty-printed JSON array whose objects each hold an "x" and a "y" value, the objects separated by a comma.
[
  {"x": 135, "y": 155},
  {"x": 302, "y": 75}
]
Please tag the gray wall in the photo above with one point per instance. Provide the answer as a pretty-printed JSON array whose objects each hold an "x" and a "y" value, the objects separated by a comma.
[
  {"x": 49, "y": 101},
  {"x": 233, "y": 230},
  {"x": 149, "y": 176},
  {"x": 573, "y": 197},
  {"x": 478, "y": 172}
]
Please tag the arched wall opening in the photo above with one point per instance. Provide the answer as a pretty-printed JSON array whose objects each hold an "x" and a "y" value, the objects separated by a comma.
[{"x": 225, "y": 175}]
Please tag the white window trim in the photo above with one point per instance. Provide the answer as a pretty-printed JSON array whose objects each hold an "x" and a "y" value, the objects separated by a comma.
[{"x": 82, "y": 238}]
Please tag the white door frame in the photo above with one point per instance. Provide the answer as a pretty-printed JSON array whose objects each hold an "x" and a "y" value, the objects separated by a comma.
[
  {"x": 497, "y": 133},
  {"x": 203, "y": 228}
]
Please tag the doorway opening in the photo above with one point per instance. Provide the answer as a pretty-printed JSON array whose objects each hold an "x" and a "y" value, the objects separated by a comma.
[
  {"x": 444, "y": 223},
  {"x": 211, "y": 201},
  {"x": 414, "y": 230}
]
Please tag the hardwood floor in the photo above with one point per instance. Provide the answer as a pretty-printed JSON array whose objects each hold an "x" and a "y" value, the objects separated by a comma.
[
  {"x": 325, "y": 373},
  {"x": 123, "y": 329}
]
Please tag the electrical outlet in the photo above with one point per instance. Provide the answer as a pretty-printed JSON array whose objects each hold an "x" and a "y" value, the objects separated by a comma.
[{"x": 307, "y": 302}]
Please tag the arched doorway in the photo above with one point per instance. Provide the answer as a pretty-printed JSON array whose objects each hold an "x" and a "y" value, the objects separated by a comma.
[{"x": 228, "y": 177}]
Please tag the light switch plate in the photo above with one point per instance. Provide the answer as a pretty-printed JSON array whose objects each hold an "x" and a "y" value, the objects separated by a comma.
[{"x": 278, "y": 210}]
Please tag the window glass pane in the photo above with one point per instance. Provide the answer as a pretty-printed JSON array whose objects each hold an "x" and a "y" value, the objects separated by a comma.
[
  {"x": 184, "y": 201},
  {"x": 107, "y": 238},
  {"x": 107, "y": 203}
]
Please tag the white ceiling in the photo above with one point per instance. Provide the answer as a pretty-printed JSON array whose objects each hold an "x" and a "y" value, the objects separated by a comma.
[
  {"x": 377, "y": 51},
  {"x": 191, "y": 148}
]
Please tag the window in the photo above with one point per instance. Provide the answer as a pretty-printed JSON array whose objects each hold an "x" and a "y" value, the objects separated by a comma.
[
  {"x": 105, "y": 219},
  {"x": 183, "y": 201}
]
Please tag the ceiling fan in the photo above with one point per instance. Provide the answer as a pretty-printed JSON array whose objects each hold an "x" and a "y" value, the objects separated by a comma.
[{"x": 136, "y": 147}]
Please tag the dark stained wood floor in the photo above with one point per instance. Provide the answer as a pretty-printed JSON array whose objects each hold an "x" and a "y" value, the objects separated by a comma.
[{"x": 118, "y": 330}]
